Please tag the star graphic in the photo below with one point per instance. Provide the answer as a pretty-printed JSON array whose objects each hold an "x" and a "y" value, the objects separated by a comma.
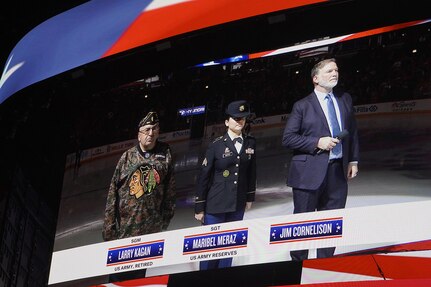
[{"x": 244, "y": 238}]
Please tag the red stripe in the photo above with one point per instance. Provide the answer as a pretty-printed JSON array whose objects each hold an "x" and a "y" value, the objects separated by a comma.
[
  {"x": 381, "y": 30},
  {"x": 184, "y": 17},
  {"x": 393, "y": 267},
  {"x": 158, "y": 280},
  {"x": 379, "y": 283}
]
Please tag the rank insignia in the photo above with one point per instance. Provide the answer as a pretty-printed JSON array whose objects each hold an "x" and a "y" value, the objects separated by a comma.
[
  {"x": 249, "y": 151},
  {"x": 226, "y": 173}
]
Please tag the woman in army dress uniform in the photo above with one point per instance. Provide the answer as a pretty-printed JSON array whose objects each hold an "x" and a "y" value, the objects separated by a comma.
[{"x": 227, "y": 182}]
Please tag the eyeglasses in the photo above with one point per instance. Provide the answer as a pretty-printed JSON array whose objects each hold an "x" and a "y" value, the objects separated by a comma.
[{"x": 147, "y": 131}]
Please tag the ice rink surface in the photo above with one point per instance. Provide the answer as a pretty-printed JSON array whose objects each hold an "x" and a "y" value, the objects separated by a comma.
[{"x": 395, "y": 167}]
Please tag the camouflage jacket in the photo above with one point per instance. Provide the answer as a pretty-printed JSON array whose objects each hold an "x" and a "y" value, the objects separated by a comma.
[{"x": 141, "y": 196}]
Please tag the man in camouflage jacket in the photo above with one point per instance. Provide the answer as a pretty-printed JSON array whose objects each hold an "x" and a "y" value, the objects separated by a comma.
[{"x": 141, "y": 196}]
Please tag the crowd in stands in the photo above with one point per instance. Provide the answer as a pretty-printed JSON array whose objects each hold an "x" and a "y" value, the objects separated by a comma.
[{"x": 393, "y": 66}]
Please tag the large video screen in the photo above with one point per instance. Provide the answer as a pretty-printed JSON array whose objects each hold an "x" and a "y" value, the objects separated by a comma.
[{"x": 387, "y": 72}]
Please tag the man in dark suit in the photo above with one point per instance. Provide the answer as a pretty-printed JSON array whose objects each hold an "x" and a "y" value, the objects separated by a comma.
[
  {"x": 227, "y": 182},
  {"x": 322, "y": 133}
]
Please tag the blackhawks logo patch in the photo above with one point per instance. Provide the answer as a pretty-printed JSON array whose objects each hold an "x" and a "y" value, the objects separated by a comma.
[{"x": 143, "y": 181}]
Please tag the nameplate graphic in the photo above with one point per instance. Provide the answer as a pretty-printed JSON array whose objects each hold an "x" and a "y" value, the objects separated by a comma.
[
  {"x": 213, "y": 241},
  {"x": 306, "y": 230},
  {"x": 135, "y": 252}
]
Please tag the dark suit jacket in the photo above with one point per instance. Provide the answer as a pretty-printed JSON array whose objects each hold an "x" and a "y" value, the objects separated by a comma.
[
  {"x": 306, "y": 124},
  {"x": 227, "y": 179}
]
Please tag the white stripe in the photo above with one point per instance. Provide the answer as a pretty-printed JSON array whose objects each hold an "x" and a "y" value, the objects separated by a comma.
[
  {"x": 7, "y": 73},
  {"x": 157, "y": 4},
  {"x": 307, "y": 45}
]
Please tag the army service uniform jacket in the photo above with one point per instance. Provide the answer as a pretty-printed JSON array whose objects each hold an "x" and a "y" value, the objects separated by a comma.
[
  {"x": 227, "y": 179},
  {"x": 141, "y": 196}
]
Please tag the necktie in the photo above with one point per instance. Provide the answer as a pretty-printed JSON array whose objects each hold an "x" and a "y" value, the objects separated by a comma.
[
  {"x": 335, "y": 126},
  {"x": 237, "y": 140}
]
